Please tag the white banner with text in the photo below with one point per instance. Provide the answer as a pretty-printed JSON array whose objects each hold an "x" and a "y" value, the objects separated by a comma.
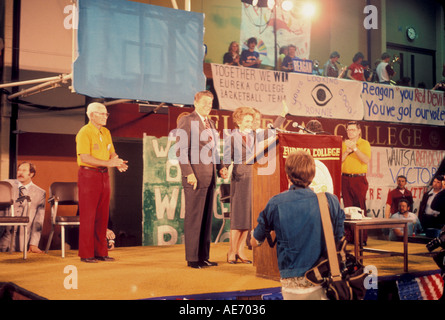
[
  {"x": 305, "y": 94},
  {"x": 315, "y": 96}
]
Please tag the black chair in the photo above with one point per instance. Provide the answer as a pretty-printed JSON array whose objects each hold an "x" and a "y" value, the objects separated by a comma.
[
  {"x": 62, "y": 193},
  {"x": 224, "y": 197},
  {"x": 7, "y": 204}
]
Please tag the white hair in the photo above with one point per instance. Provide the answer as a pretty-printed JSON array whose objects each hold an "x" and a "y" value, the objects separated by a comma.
[{"x": 95, "y": 107}]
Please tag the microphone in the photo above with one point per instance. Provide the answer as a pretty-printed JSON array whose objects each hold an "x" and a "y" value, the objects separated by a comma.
[
  {"x": 296, "y": 125},
  {"x": 271, "y": 127}
]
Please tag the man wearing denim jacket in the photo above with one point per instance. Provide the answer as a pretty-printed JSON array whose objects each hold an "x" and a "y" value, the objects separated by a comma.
[{"x": 295, "y": 217}]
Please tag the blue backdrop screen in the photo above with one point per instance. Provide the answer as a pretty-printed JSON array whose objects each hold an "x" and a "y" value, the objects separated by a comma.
[{"x": 130, "y": 50}]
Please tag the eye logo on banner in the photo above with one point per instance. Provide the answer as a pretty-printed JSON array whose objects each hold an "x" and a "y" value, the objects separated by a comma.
[
  {"x": 321, "y": 95},
  {"x": 306, "y": 94}
]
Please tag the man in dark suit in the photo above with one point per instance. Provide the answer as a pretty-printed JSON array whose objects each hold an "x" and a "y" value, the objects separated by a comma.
[
  {"x": 197, "y": 149},
  {"x": 23, "y": 186}
]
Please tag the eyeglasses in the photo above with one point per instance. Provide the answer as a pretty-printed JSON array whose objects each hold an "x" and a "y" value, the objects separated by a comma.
[{"x": 103, "y": 114}]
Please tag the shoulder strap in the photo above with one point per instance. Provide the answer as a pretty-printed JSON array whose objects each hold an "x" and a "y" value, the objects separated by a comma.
[{"x": 328, "y": 235}]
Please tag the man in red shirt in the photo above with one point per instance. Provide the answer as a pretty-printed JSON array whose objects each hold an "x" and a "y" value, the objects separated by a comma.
[
  {"x": 394, "y": 196},
  {"x": 356, "y": 70}
]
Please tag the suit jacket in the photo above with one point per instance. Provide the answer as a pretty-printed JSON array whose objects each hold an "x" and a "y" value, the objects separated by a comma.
[
  {"x": 195, "y": 156},
  {"x": 36, "y": 215},
  {"x": 439, "y": 205}
]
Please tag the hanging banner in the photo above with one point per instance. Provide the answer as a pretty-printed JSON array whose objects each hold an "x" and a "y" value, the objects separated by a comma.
[
  {"x": 386, "y": 164},
  {"x": 290, "y": 28},
  {"x": 326, "y": 151},
  {"x": 403, "y": 104},
  {"x": 315, "y": 96},
  {"x": 163, "y": 199},
  {"x": 305, "y": 95}
]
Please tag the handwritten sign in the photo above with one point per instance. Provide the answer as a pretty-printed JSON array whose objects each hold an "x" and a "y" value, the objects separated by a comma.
[
  {"x": 386, "y": 164},
  {"x": 314, "y": 96},
  {"x": 403, "y": 104},
  {"x": 305, "y": 94},
  {"x": 163, "y": 197}
]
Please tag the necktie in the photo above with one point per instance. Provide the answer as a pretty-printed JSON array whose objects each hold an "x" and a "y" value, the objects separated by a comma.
[
  {"x": 21, "y": 193},
  {"x": 207, "y": 125}
]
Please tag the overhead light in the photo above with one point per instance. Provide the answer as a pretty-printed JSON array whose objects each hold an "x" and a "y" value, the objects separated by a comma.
[
  {"x": 257, "y": 3},
  {"x": 309, "y": 10},
  {"x": 270, "y": 4},
  {"x": 287, "y": 5}
]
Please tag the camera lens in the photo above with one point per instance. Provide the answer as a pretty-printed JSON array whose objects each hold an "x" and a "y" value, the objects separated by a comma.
[{"x": 433, "y": 244}]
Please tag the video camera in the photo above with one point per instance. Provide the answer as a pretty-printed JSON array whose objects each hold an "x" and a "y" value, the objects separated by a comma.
[
  {"x": 437, "y": 242},
  {"x": 438, "y": 258}
]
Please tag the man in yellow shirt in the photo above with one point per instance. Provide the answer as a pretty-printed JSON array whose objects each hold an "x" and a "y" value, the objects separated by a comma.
[
  {"x": 95, "y": 154},
  {"x": 355, "y": 158}
]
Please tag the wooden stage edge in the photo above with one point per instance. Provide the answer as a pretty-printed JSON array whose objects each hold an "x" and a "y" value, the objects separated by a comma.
[{"x": 153, "y": 272}]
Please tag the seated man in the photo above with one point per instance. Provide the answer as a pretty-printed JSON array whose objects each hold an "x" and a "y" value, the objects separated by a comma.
[
  {"x": 395, "y": 195},
  {"x": 24, "y": 186},
  {"x": 429, "y": 218},
  {"x": 414, "y": 226}
]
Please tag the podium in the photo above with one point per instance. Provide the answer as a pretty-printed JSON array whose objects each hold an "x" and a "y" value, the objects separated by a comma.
[{"x": 269, "y": 179}]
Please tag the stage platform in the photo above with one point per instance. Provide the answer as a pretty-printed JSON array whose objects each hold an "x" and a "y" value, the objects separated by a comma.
[{"x": 161, "y": 273}]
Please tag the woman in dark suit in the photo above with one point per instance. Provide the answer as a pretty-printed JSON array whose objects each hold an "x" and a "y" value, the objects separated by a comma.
[{"x": 240, "y": 147}]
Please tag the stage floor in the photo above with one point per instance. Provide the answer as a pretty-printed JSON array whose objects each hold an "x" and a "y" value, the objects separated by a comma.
[{"x": 153, "y": 272}]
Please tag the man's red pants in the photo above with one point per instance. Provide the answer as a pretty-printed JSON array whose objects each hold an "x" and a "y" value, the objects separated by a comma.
[
  {"x": 354, "y": 195},
  {"x": 94, "y": 203}
]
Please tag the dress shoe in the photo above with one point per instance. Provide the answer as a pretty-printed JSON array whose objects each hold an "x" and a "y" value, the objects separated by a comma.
[
  {"x": 194, "y": 264},
  {"x": 89, "y": 260},
  {"x": 105, "y": 258},
  {"x": 243, "y": 260},
  {"x": 207, "y": 263}
]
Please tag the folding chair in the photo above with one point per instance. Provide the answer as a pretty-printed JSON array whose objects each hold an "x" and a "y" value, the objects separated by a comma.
[
  {"x": 62, "y": 193},
  {"x": 7, "y": 204}
]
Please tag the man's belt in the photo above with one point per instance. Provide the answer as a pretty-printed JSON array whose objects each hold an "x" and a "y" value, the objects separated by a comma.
[
  {"x": 97, "y": 169},
  {"x": 354, "y": 175}
]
